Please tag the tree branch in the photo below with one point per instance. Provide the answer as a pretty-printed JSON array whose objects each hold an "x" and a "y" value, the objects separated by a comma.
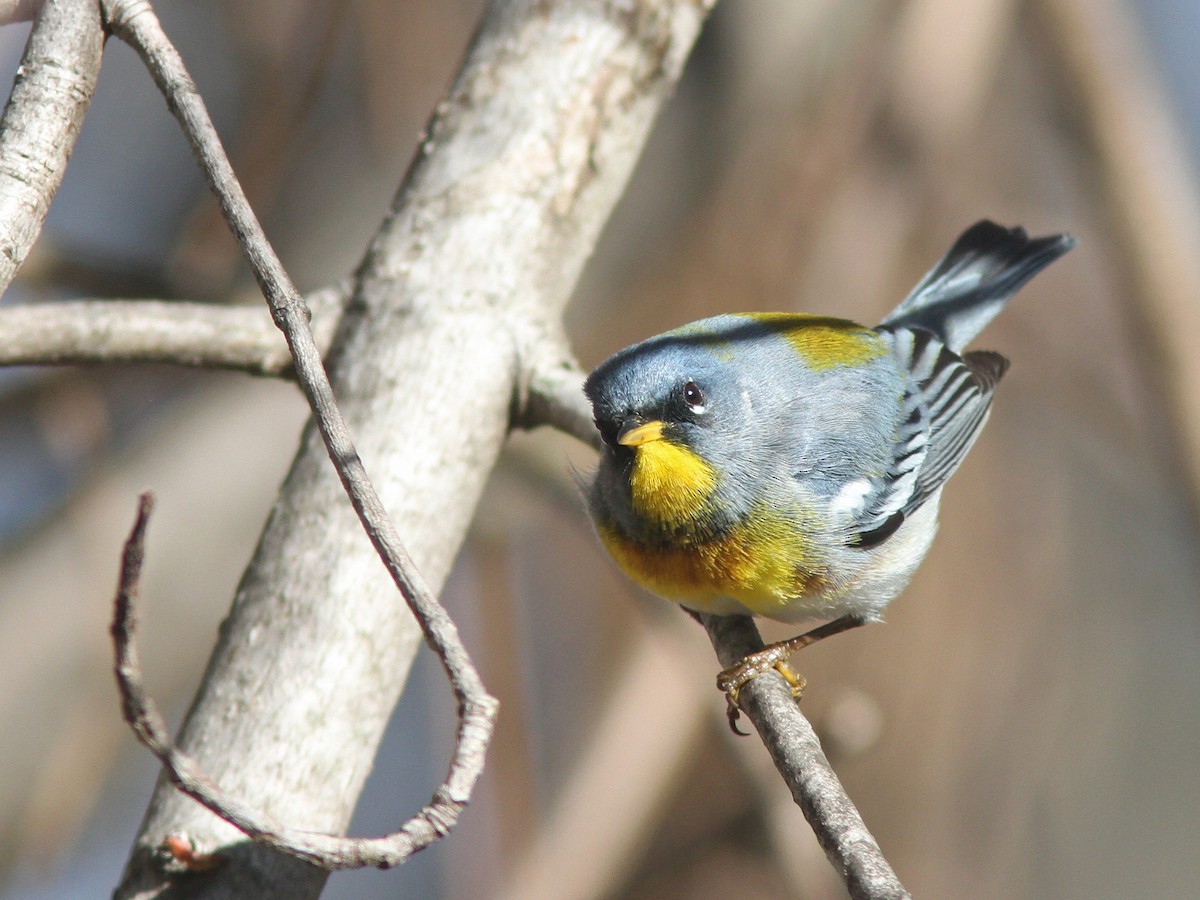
[
  {"x": 136, "y": 23},
  {"x": 522, "y": 164},
  {"x": 796, "y": 751},
  {"x": 547, "y": 391},
  {"x": 204, "y": 335},
  {"x": 42, "y": 118},
  {"x": 328, "y": 851},
  {"x": 18, "y": 10},
  {"x": 550, "y": 392}
]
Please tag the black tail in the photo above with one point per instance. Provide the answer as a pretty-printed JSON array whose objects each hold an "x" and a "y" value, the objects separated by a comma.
[{"x": 974, "y": 280}]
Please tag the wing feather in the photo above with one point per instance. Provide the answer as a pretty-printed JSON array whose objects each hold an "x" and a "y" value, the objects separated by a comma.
[{"x": 945, "y": 405}]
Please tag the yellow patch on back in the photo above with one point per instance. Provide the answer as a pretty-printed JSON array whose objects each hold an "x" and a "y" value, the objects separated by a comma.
[
  {"x": 669, "y": 484},
  {"x": 823, "y": 341}
]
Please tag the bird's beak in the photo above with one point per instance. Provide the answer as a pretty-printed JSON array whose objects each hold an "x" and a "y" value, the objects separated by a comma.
[{"x": 635, "y": 432}]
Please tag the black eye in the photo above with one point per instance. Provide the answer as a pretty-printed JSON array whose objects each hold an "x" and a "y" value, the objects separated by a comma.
[{"x": 693, "y": 397}]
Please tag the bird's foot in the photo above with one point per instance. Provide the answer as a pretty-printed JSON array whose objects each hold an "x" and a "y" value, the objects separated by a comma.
[
  {"x": 731, "y": 680},
  {"x": 775, "y": 656}
]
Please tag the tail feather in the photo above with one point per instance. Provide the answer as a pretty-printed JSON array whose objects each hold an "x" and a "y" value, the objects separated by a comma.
[{"x": 974, "y": 280}]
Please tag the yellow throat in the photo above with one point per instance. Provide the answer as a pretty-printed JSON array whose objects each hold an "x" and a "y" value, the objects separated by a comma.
[{"x": 669, "y": 484}]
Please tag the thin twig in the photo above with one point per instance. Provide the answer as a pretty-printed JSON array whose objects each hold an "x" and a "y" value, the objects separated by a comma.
[
  {"x": 796, "y": 751},
  {"x": 203, "y": 335},
  {"x": 325, "y": 850},
  {"x": 45, "y": 110},
  {"x": 136, "y": 23}
]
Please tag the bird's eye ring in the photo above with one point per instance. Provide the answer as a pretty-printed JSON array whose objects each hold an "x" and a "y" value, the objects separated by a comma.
[{"x": 693, "y": 397}]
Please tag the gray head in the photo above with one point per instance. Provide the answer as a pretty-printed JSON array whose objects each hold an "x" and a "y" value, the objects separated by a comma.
[{"x": 764, "y": 400}]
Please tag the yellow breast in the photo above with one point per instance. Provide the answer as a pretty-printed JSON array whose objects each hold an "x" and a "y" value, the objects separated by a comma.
[
  {"x": 763, "y": 562},
  {"x": 763, "y": 566}
]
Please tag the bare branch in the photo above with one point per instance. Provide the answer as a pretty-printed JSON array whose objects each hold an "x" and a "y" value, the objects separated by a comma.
[
  {"x": 482, "y": 248},
  {"x": 42, "y": 119},
  {"x": 203, "y": 335},
  {"x": 136, "y": 23},
  {"x": 325, "y": 850},
  {"x": 550, "y": 392},
  {"x": 796, "y": 752},
  {"x": 549, "y": 395},
  {"x": 552, "y": 396}
]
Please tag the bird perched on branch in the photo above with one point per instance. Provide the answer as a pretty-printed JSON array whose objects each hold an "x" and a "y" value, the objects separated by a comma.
[{"x": 790, "y": 466}]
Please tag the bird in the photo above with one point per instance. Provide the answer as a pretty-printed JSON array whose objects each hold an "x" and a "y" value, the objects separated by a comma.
[{"x": 789, "y": 465}]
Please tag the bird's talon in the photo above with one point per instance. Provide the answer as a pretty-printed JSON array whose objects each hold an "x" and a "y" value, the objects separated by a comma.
[
  {"x": 735, "y": 677},
  {"x": 733, "y": 712},
  {"x": 731, "y": 680}
]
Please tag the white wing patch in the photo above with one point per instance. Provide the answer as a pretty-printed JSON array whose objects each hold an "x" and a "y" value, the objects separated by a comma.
[{"x": 852, "y": 498}]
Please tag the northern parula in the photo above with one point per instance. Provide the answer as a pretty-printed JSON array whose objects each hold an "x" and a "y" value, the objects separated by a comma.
[{"x": 790, "y": 466}]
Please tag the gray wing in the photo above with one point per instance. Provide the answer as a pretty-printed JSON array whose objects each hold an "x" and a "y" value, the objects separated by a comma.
[{"x": 945, "y": 405}]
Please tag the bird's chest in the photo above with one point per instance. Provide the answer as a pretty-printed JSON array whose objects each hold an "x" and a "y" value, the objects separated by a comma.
[{"x": 761, "y": 563}]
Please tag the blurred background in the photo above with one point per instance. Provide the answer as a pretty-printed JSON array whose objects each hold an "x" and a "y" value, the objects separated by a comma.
[{"x": 1024, "y": 725}]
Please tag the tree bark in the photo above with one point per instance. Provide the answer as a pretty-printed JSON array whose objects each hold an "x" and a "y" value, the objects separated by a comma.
[
  {"x": 469, "y": 273},
  {"x": 43, "y": 116}
]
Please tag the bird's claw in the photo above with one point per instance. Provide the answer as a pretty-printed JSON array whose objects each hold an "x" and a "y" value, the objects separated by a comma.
[
  {"x": 731, "y": 680},
  {"x": 733, "y": 712}
]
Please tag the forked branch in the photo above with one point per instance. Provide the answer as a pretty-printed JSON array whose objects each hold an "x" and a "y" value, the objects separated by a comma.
[
  {"x": 136, "y": 23},
  {"x": 547, "y": 395}
]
